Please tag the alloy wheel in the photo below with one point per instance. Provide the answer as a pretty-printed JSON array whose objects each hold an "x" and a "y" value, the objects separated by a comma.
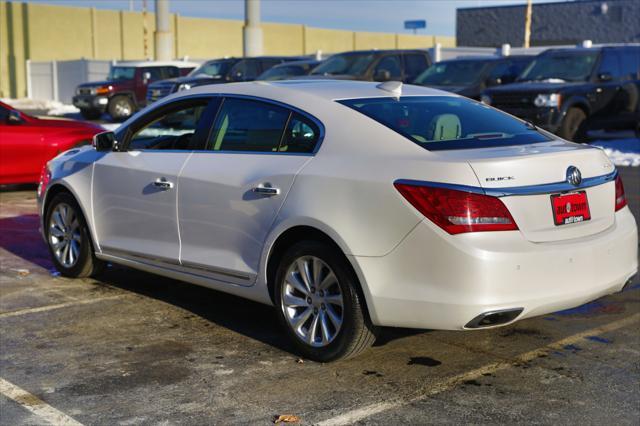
[
  {"x": 65, "y": 235},
  {"x": 312, "y": 301}
]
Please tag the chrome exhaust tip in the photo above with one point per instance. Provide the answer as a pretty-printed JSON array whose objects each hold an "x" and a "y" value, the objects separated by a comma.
[{"x": 493, "y": 318}]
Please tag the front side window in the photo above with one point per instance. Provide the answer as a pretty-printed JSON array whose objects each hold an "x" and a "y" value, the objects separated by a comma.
[
  {"x": 610, "y": 65},
  {"x": 443, "y": 122},
  {"x": 630, "y": 63},
  {"x": 173, "y": 130},
  {"x": 391, "y": 65},
  {"x": 247, "y": 125},
  {"x": 561, "y": 66},
  {"x": 345, "y": 63},
  {"x": 121, "y": 73},
  {"x": 414, "y": 65},
  {"x": 245, "y": 70},
  {"x": 452, "y": 73}
]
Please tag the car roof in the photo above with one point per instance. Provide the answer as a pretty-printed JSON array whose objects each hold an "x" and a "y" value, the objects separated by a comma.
[
  {"x": 301, "y": 62},
  {"x": 326, "y": 89},
  {"x": 383, "y": 51},
  {"x": 487, "y": 58},
  {"x": 179, "y": 64}
]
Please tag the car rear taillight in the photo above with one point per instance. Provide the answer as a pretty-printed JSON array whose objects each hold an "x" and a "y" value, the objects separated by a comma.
[
  {"x": 45, "y": 177},
  {"x": 621, "y": 199},
  {"x": 458, "y": 211}
]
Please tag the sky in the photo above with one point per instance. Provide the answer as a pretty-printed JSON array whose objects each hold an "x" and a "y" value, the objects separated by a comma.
[{"x": 356, "y": 15}]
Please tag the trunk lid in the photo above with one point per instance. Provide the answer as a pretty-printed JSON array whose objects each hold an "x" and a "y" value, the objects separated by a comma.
[{"x": 526, "y": 176}]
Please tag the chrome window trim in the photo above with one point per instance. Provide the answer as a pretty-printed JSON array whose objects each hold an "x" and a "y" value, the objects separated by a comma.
[
  {"x": 546, "y": 188},
  {"x": 291, "y": 108}
]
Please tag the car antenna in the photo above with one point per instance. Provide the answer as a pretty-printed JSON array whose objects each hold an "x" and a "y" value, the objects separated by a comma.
[{"x": 394, "y": 87}]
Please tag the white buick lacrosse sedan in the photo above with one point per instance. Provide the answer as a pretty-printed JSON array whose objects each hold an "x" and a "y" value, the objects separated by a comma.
[{"x": 347, "y": 205}]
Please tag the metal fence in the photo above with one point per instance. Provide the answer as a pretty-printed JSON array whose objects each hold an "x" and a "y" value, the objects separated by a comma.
[{"x": 57, "y": 80}]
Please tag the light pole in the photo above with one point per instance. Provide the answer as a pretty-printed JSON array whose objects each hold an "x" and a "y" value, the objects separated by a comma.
[
  {"x": 163, "y": 36},
  {"x": 252, "y": 31}
]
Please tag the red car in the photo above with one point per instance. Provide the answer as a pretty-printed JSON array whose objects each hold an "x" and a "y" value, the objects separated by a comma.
[{"x": 27, "y": 143}]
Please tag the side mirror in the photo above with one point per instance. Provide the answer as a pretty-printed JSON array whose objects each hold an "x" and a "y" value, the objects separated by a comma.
[
  {"x": 14, "y": 117},
  {"x": 105, "y": 141},
  {"x": 238, "y": 76},
  {"x": 605, "y": 76},
  {"x": 382, "y": 75},
  {"x": 493, "y": 81},
  {"x": 146, "y": 76}
]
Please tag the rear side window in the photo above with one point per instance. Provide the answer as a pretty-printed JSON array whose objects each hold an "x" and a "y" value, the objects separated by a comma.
[
  {"x": 443, "y": 122},
  {"x": 300, "y": 136},
  {"x": 247, "y": 125}
]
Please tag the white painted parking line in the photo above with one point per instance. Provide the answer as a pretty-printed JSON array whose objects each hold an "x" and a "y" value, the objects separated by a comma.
[
  {"x": 57, "y": 306},
  {"x": 360, "y": 414},
  {"x": 36, "y": 405}
]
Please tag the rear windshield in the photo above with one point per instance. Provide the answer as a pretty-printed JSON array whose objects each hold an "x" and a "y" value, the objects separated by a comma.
[{"x": 446, "y": 122}]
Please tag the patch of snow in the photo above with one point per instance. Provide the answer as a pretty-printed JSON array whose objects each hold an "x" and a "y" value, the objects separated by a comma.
[
  {"x": 53, "y": 108},
  {"x": 110, "y": 126},
  {"x": 619, "y": 158}
]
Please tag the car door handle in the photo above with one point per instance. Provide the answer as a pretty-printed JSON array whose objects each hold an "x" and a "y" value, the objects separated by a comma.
[
  {"x": 163, "y": 183},
  {"x": 266, "y": 189}
]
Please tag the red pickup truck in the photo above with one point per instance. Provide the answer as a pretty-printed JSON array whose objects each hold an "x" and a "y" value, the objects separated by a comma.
[{"x": 125, "y": 89}]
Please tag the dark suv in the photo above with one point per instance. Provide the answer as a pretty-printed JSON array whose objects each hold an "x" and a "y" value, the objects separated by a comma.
[
  {"x": 217, "y": 71},
  {"x": 471, "y": 75},
  {"x": 570, "y": 91},
  {"x": 374, "y": 65},
  {"x": 124, "y": 91}
]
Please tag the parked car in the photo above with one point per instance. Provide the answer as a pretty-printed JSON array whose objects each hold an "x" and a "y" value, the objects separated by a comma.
[
  {"x": 439, "y": 212},
  {"x": 470, "y": 76},
  {"x": 289, "y": 69},
  {"x": 125, "y": 89},
  {"x": 570, "y": 91},
  {"x": 374, "y": 65},
  {"x": 27, "y": 143},
  {"x": 218, "y": 71}
]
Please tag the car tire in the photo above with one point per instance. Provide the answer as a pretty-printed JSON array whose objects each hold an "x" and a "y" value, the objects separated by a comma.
[
  {"x": 121, "y": 107},
  {"x": 573, "y": 125},
  {"x": 90, "y": 114},
  {"x": 325, "y": 318},
  {"x": 68, "y": 238}
]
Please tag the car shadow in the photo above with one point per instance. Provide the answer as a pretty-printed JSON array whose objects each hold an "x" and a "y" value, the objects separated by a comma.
[{"x": 20, "y": 237}]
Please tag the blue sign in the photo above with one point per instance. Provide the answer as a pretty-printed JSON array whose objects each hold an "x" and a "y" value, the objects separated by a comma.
[{"x": 415, "y": 25}]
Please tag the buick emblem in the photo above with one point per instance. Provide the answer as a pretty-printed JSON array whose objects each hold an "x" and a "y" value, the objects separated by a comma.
[
  {"x": 568, "y": 207},
  {"x": 574, "y": 177}
]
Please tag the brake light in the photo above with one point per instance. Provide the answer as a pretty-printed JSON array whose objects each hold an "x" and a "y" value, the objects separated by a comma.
[
  {"x": 45, "y": 177},
  {"x": 621, "y": 199},
  {"x": 458, "y": 211}
]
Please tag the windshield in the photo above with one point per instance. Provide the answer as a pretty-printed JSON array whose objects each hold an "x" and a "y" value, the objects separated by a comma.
[
  {"x": 282, "y": 72},
  {"x": 345, "y": 63},
  {"x": 121, "y": 73},
  {"x": 452, "y": 73},
  {"x": 213, "y": 69},
  {"x": 446, "y": 122},
  {"x": 565, "y": 66}
]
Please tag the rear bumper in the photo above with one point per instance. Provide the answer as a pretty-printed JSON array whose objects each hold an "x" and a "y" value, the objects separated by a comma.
[
  {"x": 438, "y": 281},
  {"x": 90, "y": 102}
]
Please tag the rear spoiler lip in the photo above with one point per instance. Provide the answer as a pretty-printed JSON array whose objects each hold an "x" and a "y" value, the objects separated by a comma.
[{"x": 545, "y": 188}]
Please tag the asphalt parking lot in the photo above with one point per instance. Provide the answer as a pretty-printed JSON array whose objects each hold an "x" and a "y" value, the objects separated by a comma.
[{"x": 134, "y": 348}]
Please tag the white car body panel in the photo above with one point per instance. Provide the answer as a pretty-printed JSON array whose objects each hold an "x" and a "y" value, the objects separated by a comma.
[
  {"x": 132, "y": 215},
  {"x": 223, "y": 223},
  {"x": 412, "y": 273}
]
